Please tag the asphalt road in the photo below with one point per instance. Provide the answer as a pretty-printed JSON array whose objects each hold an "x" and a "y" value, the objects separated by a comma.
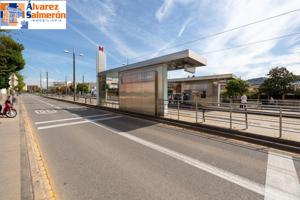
[{"x": 96, "y": 154}]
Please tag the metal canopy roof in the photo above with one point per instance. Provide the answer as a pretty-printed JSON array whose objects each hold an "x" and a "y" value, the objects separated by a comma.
[
  {"x": 203, "y": 78},
  {"x": 174, "y": 61}
]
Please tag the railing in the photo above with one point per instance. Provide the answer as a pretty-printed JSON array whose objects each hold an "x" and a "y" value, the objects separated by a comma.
[
  {"x": 88, "y": 99},
  {"x": 268, "y": 120},
  {"x": 262, "y": 102}
]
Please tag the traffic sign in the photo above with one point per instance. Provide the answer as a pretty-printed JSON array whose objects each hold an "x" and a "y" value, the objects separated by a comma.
[
  {"x": 13, "y": 80},
  {"x": 13, "y": 77},
  {"x": 13, "y": 83}
]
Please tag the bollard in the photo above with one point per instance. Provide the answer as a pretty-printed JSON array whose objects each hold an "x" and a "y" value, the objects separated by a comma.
[
  {"x": 196, "y": 111},
  {"x": 280, "y": 122},
  {"x": 230, "y": 116},
  {"x": 178, "y": 109},
  {"x": 203, "y": 115},
  {"x": 246, "y": 117}
]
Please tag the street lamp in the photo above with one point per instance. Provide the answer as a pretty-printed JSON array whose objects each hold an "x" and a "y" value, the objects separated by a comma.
[{"x": 74, "y": 73}]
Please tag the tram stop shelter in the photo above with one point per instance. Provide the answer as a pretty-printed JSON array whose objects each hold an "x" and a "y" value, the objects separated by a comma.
[{"x": 142, "y": 87}]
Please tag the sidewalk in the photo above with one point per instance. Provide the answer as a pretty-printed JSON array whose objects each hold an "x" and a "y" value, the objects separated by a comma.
[
  {"x": 15, "y": 176},
  {"x": 10, "y": 148}
]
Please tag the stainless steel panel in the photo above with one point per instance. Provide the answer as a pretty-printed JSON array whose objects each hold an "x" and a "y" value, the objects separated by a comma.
[{"x": 138, "y": 92}]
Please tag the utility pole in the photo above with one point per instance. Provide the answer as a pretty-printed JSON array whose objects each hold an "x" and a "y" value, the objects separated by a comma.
[
  {"x": 74, "y": 78},
  {"x": 83, "y": 79},
  {"x": 66, "y": 83},
  {"x": 47, "y": 81},
  {"x": 41, "y": 82}
]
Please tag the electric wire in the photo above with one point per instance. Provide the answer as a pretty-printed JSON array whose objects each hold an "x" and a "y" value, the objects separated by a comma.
[{"x": 221, "y": 32}]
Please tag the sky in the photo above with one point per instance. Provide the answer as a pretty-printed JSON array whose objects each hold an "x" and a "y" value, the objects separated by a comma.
[{"x": 135, "y": 30}]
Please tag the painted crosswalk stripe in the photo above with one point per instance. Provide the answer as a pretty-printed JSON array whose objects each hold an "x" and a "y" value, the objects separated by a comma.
[
  {"x": 75, "y": 123},
  {"x": 282, "y": 182},
  {"x": 71, "y": 119}
]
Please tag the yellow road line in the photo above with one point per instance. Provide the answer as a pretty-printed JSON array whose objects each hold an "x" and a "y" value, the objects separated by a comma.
[{"x": 41, "y": 179}]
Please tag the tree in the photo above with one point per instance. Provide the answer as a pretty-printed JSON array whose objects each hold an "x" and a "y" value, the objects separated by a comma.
[
  {"x": 82, "y": 87},
  {"x": 11, "y": 58},
  {"x": 71, "y": 88},
  {"x": 236, "y": 87},
  {"x": 279, "y": 82}
]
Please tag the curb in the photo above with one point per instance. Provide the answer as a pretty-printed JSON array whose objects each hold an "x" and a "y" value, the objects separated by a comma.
[
  {"x": 26, "y": 178},
  {"x": 41, "y": 181},
  {"x": 276, "y": 143}
]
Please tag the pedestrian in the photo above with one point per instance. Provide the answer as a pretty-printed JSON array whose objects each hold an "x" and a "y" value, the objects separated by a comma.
[
  {"x": 272, "y": 101},
  {"x": 11, "y": 99},
  {"x": 243, "y": 101}
]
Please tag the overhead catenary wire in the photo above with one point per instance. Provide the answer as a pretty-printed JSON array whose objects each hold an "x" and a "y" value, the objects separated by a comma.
[
  {"x": 227, "y": 31},
  {"x": 238, "y": 46},
  {"x": 241, "y": 45},
  {"x": 251, "y": 43},
  {"x": 221, "y": 32}
]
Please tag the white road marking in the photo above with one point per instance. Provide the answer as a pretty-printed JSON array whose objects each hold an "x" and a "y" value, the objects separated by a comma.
[
  {"x": 70, "y": 119},
  {"x": 45, "y": 112},
  {"x": 233, "y": 178},
  {"x": 75, "y": 123},
  {"x": 275, "y": 183},
  {"x": 282, "y": 182},
  {"x": 61, "y": 125},
  {"x": 57, "y": 107},
  {"x": 49, "y": 104}
]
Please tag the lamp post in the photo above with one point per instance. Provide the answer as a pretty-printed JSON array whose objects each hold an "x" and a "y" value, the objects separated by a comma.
[{"x": 74, "y": 71}]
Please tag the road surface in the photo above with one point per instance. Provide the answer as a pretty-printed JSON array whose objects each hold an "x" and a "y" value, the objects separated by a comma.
[{"x": 96, "y": 154}]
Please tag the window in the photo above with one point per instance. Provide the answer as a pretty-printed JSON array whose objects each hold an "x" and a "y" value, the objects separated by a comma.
[{"x": 203, "y": 94}]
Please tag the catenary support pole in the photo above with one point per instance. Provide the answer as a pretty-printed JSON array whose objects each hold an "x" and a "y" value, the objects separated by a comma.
[{"x": 74, "y": 76}]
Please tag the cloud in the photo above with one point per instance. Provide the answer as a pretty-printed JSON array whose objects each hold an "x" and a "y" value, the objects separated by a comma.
[
  {"x": 133, "y": 29},
  {"x": 104, "y": 20},
  {"x": 45, "y": 59},
  {"x": 167, "y": 6},
  {"x": 254, "y": 60},
  {"x": 185, "y": 24},
  {"x": 164, "y": 10},
  {"x": 91, "y": 41},
  {"x": 250, "y": 61}
]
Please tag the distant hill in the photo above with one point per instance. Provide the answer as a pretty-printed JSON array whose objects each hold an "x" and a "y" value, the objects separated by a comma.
[
  {"x": 260, "y": 80},
  {"x": 256, "y": 81}
]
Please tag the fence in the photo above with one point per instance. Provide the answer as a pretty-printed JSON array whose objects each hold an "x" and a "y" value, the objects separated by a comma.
[{"x": 270, "y": 120}]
